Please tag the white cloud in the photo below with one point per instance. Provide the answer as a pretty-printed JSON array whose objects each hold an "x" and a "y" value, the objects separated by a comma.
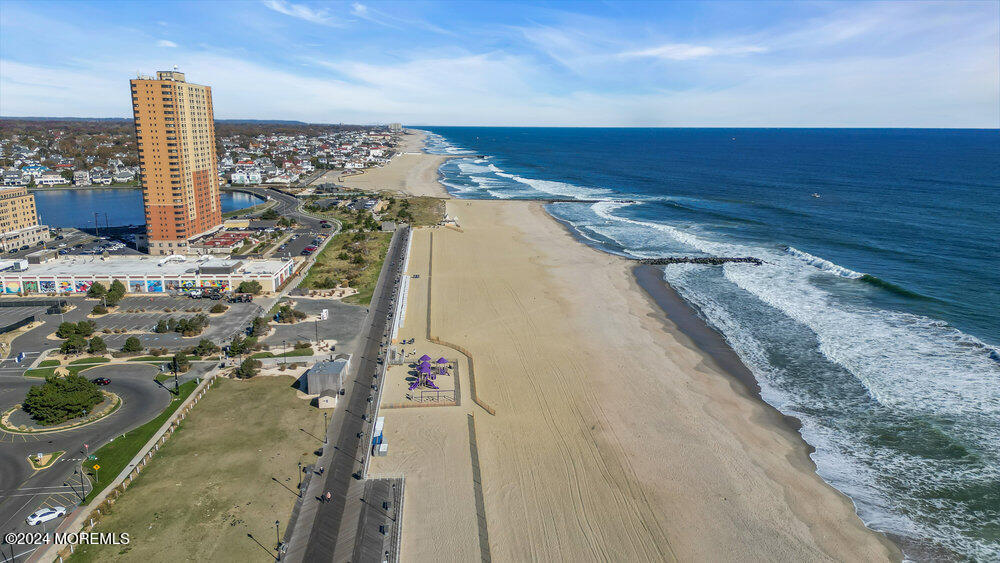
[
  {"x": 359, "y": 9},
  {"x": 300, "y": 11},
  {"x": 165, "y": 43},
  {"x": 685, "y": 51}
]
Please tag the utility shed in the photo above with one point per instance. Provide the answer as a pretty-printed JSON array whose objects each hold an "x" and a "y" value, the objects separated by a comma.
[{"x": 327, "y": 375}]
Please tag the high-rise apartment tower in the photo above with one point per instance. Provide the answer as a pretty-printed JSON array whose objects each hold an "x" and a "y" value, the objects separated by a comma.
[{"x": 175, "y": 132}]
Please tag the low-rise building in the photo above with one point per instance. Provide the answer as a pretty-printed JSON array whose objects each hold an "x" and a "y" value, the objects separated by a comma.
[
  {"x": 51, "y": 179},
  {"x": 143, "y": 274},
  {"x": 81, "y": 178}
]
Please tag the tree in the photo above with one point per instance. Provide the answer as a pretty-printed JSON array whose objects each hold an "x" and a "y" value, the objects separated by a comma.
[
  {"x": 97, "y": 346},
  {"x": 205, "y": 348},
  {"x": 86, "y": 328},
  {"x": 66, "y": 330},
  {"x": 259, "y": 327},
  {"x": 218, "y": 308},
  {"x": 115, "y": 293},
  {"x": 97, "y": 290},
  {"x": 75, "y": 344},
  {"x": 161, "y": 327},
  {"x": 60, "y": 399},
  {"x": 269, "y": 215},
  {"x": 99, "y": 310},
  {"x": 247, "y": 369},
  {"x": 132, "y": 344},
  {"x": 249, "y": 286}
]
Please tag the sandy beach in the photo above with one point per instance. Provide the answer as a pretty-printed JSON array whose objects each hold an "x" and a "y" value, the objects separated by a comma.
[
  {"x": 614, "y": 437},
  {"x": 411, "y": 171}
]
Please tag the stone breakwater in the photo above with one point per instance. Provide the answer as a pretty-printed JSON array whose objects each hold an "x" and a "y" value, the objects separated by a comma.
[{"x": 710, "y": 260}]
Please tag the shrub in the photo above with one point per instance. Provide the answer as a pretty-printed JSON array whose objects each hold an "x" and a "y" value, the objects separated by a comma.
[
  {"x": 161, "y": 327},
  {"x": 218, "y": 308},
  {"x": 61, "y": 399},
  {"x": 99, "y": 310},
  {"x": 303, "y": 345},
  {"x": 250, "y": 286},
  {"x": 288, "y": 315},
  {"x": 132, "y": 344},
  {"x": 247, "y": 369},
  {"x": 97, "y": 345},
  {"x": 269, "y": 215},
  {"x": 157, "y": 351}
]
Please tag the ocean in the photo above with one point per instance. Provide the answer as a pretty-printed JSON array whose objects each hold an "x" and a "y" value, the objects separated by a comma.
[
  {"x": 123, "y": 206},
  {"x": 875, "y": 319}
]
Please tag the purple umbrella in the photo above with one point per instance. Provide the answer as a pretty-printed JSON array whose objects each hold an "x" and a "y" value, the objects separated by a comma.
[
  {"x": 424, "y": 365},
  {"x": 425, "y": 358},
  {"x": 425, "y": 370},
  {"x": 442, "y": 361}
]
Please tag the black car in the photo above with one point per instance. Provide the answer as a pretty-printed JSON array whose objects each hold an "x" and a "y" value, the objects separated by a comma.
[{"x": 101, "y": 381}]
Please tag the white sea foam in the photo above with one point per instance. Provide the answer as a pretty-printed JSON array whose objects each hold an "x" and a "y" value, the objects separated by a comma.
[
  {"x": 563, "y": 189},
  {"x": 825, "y": 265}
]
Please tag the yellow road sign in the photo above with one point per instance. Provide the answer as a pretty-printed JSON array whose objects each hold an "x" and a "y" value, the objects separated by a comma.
[{"x": 97, "y": 466}]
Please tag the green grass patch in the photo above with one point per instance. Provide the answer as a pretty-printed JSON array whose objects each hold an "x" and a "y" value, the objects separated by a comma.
[
  {"x": 49, "y": 363},
  {"x": 91, "y": 360},
  {"x": 40, "y": 372},
  {"x": 114, "y": 456},
  {"x": 149, "y": 359},
  {"x": 290, "y": 354},
  {"x": 260, "y": 207},
  {"x": 331, "y": 267}
]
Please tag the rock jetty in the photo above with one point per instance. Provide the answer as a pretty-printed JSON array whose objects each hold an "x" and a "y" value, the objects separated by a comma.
[{"x": 710, "y": 260}]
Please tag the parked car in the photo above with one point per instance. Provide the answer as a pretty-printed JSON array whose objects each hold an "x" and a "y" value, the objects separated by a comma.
[
  {"x": 195, "y": 294},
  {"x": 44, "y": 515},
  {"x": 101, "y": 381}
]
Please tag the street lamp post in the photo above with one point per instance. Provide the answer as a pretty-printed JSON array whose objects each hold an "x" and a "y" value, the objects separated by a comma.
[
  {"x": 277, "y": 535},
  {"x": 284, "y": 352},
  {"x": 300, "y": 479}
]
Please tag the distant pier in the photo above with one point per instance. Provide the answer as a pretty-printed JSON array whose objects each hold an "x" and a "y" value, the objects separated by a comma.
[{"x": 710, "y": 260}]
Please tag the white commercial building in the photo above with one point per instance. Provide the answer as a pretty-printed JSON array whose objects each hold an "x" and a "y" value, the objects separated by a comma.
[{"x": 143, "y": 274}]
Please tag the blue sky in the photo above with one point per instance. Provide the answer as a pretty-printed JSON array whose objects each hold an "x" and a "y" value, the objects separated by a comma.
[{"x": 905, "y": 64}]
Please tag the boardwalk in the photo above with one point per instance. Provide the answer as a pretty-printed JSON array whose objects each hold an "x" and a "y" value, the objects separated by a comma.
[{"x": 335, "y": 530}]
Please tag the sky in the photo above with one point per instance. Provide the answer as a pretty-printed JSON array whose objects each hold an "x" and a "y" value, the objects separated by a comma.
[{"x": 672, "y": 64}]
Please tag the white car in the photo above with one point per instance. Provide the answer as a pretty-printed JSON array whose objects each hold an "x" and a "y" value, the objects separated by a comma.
[{"x": 44, "y": 515}]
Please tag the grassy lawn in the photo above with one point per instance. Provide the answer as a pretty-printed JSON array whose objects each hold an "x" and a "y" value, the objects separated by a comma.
[
  {"x": 40, "y": 372},
  {"x": 48, "y": 363},
  {"x": 114, "y": 456},
  {"x": 425, "y": 211},
  {"x": 330, "y": 267},
  {"x": 149, "y": 359},
  {"x": 218, "y": 479},
  {"x": 91, "y": 360},
  {"x": 290, "y": 354}
]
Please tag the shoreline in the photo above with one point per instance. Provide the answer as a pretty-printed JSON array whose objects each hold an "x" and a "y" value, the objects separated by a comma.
[{"x": 763, "y": 496}]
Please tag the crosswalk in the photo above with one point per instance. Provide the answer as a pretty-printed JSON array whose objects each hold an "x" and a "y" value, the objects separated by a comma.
[{"x": 10, "y": 438}]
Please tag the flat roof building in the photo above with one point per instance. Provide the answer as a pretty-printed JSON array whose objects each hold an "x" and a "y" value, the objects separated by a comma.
[
  {"x": 175, "y": 134},
  {"x": 142, "y": 274},
  {"x": 19, "y": 220}
]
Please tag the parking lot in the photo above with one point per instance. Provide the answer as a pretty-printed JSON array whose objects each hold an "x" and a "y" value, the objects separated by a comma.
[
  {"x": 343, "y": 325},
  {"x": 10, "y": 315}
]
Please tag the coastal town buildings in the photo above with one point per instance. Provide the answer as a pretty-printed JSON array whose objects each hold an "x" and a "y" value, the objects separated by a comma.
[
  {"x": 175, "y": 136},
  {"x": 19, "y": 220}
]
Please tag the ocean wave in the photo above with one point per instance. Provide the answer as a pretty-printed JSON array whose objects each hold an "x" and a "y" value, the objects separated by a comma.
[
  {"x": 823, "y": 264},
  {"x": 893, "y": 288},
  {"x": 563, "y": 189}
]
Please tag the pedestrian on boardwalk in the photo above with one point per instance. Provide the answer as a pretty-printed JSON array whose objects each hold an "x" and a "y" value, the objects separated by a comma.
[{"x": 328, "y": 496}]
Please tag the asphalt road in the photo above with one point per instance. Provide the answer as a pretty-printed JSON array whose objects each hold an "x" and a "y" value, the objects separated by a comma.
[
  {"x": 23, "y": 491},
  {"x": 334, "y": 528}
]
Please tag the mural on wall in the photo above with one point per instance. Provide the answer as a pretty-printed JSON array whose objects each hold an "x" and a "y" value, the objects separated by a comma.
[
  {"x": 219, "y": 284},
  {"x": 154, "y": 286},
  {"x": 65, "y": 286},
  {"x": 12, "y": 287},
  {"x": 47, "y": 286},
  {"x": 29, "y": 287},
  {"x": 187, "y": 284},
  {"x": 136, "y": 286},
  {"x": 172, "y": 285},
  {"x": 83, "y": 286}
]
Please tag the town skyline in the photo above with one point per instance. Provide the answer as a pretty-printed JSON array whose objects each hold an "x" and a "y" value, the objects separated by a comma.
[{"x": 660, "y": 65}]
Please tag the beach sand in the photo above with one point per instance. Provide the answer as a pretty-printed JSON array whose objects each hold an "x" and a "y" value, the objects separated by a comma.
[
  {"x": 614, "y": 437},
  {"x": 411, "y": 171}
]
